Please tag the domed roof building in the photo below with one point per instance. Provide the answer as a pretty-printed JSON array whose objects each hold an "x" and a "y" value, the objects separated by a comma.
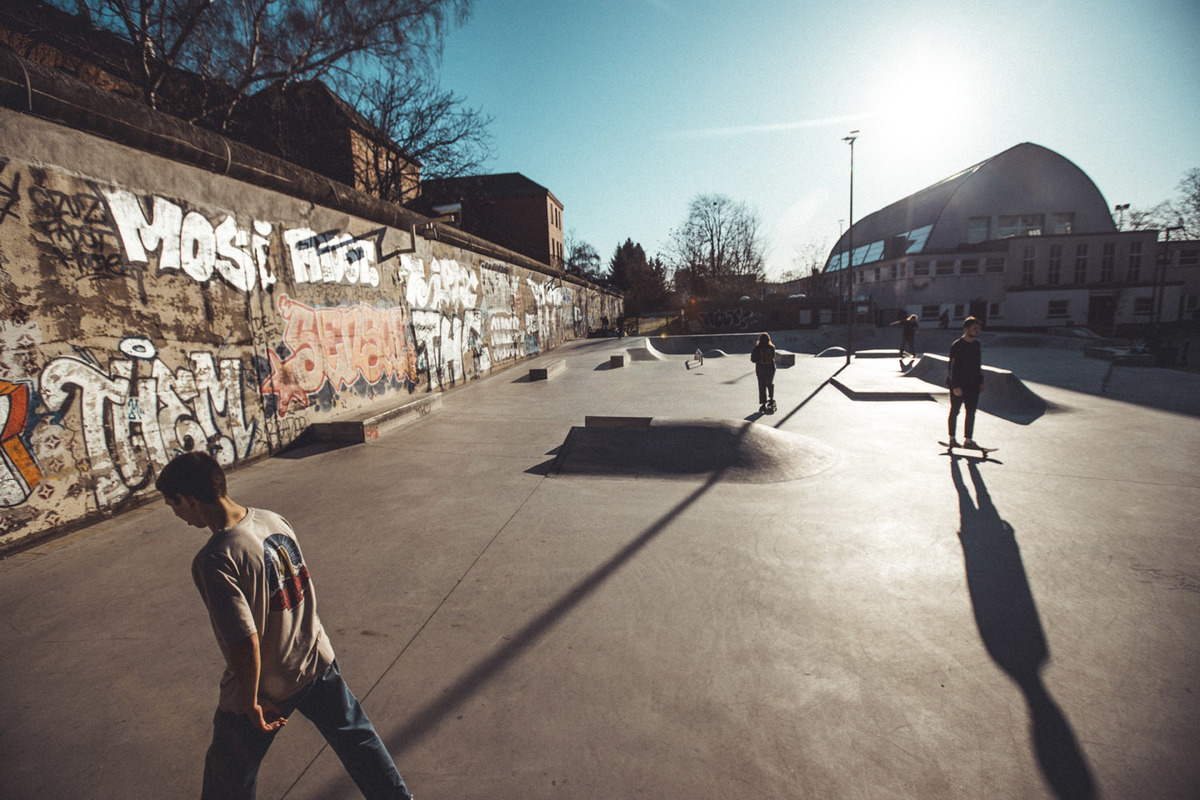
[{"x": 1024, "y": 239}]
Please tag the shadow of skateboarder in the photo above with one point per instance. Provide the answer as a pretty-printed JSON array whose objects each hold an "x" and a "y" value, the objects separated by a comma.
[{"x": 1011, "y": 630}]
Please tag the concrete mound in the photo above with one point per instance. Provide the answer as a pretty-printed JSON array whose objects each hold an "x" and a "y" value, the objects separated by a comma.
[
  {"x": 831, "y": 352},
  {"x": 1004, "y": 394},
  {"x": 740, "y": 451}
]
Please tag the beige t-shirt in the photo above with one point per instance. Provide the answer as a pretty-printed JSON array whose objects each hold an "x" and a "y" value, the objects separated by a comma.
[{"x": 253, "y": 579}]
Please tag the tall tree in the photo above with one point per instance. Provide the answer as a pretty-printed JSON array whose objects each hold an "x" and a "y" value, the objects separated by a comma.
[
  {"x": 718, "y": 251},
  {"x": 643, "y": 281}
]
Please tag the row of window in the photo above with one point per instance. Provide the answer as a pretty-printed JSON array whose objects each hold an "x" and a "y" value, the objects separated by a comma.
[
  {"x": 1061, "y": 309},
  {"x": 1072, "y": 267},
  {"x": 933, "y": 313},
  {"x": 1007, "y": 226},
  {"x": 939, "y": 267}
]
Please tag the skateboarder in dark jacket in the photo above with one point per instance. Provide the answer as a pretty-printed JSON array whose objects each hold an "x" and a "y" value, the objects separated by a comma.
[
  {"x": 908, "y": 335},
  {"x": 763, "y": 356},
  {"x": 965, "y": 379}
]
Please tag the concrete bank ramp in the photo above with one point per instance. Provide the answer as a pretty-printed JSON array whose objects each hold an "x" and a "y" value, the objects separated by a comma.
[
  {"x": 644, "y": 350},
  {"x": 1004, "y": 394},
  {"x": 741, "y": 451}
]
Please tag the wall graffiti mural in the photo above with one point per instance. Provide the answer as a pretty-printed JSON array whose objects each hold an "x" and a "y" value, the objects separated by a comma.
[
  {"x": 140, "y": 414},
  {"x": 447, "y": 321},
  {"x": 136, "y": 324},
  {"x": 335, "y": 256},
  {"x": 732, "y": 319},
  {"x": 339, "y": 346},
  {"x": 19, "y": 473},
  {"x": 190, "y": 242}
]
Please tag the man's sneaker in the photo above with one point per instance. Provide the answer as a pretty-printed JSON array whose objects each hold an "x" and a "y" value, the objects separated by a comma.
[
  {"x": 763, "y": 408},
  {"x": 970, "y": 443},
  {"x": 954, "y": 442}
]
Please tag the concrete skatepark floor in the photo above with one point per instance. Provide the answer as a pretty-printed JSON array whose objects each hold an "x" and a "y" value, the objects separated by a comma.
[{"x": 896, "y": 624}]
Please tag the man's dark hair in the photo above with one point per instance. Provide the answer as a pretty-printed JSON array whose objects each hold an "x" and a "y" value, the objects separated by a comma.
[
  {"x": 192, "y": 474},
  {"x": 969, "y": 321}
]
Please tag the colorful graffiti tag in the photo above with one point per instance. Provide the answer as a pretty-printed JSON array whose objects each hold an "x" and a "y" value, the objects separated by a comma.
[
  {"x": 19, "y": 474},
  {"x": 140, "y": 414},
  {"x": 338, "y": 346}
]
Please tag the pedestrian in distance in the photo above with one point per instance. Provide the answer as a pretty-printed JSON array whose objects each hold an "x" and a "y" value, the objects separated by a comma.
[
  {"x": 908, "y": 335},
  {"x": 261, "y": 603},
  {"x": 964, "y": 376},
  {"x": 763, "y": 356}
]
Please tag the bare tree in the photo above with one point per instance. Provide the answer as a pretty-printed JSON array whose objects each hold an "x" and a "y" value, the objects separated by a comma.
[
  {"x": 431, "y": 125},
  {"x": 582, "y": 258},
  {"x": 250, "y": 44},
  {"x": 1182, "y": 212},
  {"x": 718, "y": 251}
]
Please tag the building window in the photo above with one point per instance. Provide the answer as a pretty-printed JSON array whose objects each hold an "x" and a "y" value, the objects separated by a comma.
[
  {"x": 892, "y": 271},
  {"x": 1189, "y": 258},
  {"x": 994, "y": 265},
  {"x": 1106, "y": 262},
  {"x": 958, "y": 311},
  {"x": 1143, "y": 306},
  {"x": 1057, "y": 309},
  {"x": 1081, "y": 262},
  {"x": 902, "y": 269},
  {"x": 875, "y": 277},
  {"x": 993, "y": 310},
  {"x": 969, "y": 266},
  {"x": 1062, "y": 223},
  {"x": 930, "y": 312},
  {"x": 1135, "y": 262},
  {"x": 920, "y": 268},
  {"x": 978, "y": 229},
  {"x": 1020, "y": 225},
  {"x": 1027, "y": 263},
  {"x": 945, "y": 267},
  {"x": 1054, "y": 269}
]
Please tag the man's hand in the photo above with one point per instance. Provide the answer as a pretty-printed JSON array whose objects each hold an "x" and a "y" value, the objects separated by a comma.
[
  {"x": 266, "y": 717},
  {"x": 956, "y": 392}
]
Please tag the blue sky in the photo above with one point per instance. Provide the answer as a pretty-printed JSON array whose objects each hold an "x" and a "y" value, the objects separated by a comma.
[{"x": 626, "y": 109}]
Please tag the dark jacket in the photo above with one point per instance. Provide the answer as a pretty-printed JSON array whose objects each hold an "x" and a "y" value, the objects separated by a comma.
[{"x": 966, "y": 365}]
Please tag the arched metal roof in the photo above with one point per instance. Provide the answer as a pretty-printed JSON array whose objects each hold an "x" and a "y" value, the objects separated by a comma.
[{"x": 1024, "y": 181}]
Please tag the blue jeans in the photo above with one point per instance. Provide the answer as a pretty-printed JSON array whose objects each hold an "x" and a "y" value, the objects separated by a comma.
[{"x": 238, "y": 748}]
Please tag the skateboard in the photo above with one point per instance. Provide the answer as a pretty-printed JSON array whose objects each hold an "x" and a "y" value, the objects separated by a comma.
[{"x": 983, "y": 451}]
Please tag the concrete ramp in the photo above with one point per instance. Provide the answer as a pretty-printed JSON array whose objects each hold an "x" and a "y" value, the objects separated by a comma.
[
  {"x": 644, "y": 351},
  {"x": 740, "y": 451},
  {"x": 1004, "y": 394}
]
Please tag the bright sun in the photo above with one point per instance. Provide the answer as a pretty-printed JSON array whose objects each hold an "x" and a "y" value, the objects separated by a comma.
[{"x": 924, "y": 103}]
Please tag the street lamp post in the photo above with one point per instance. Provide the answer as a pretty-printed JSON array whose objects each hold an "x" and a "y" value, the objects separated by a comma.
[
  {"x": 850, "y": 247},
  {"x": 1120, "y": 209}
]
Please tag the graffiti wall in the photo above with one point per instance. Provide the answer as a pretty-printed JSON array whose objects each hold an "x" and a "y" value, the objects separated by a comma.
[{"x": 150, "y": 308}]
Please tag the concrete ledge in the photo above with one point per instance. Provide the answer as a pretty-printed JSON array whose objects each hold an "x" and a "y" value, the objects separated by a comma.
[
  {"x": 616, "y": 362},
  {"x": 547, "y": 371},
  {"x": 785, "y": 359},
  {"x": 373, "y": 422},
  {"x": 1122, "y": 357},
  {"x": 617, "y": 422}
]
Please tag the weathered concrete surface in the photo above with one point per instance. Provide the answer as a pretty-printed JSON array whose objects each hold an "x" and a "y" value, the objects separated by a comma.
[
  {"x": 148, "y": 307},
  {"x": 901, "y": 625}
]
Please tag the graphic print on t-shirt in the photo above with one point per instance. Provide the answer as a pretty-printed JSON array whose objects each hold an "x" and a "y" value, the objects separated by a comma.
[{"x": 286, "y": 574}]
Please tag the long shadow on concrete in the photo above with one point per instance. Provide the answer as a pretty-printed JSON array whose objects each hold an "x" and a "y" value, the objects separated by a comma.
[
  {"x": 1011, "y": 629},
  {"x": 433, "y": 713}
]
